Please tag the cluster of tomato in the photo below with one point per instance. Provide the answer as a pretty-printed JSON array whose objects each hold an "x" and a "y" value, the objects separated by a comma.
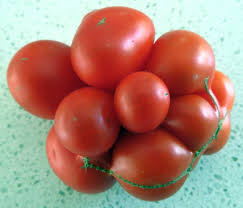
[{"x": 154, "y": 91}]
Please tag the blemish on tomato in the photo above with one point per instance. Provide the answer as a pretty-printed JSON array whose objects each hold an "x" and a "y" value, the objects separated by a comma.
[{"x": 102, "y": 21}]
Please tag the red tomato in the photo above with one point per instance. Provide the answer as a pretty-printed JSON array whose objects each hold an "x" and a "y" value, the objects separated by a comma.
[
  {"x": 67, "y": 166},
  {"x": 142, "y": 101},
  {"x": 151, "y": 158},
  {"x": 223, "y": 136},
  {"x": 40, "y": 75},
  {"x": 86, "y": 122},
  {"x": 183, "y": 60},
  {"x": 223, "y": 90},
  {"x": 110, "y": 44},
  {"x": 192, "y": 119}
]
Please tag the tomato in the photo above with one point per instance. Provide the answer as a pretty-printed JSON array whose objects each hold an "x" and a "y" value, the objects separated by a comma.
[
  {"x": 183, "y": 60},
  {"x": 110, "y": 44},
  {"x": 86, "y": 122},
  {"x": 224, "y": 133},
  {"x": 223, "y": 136},
  {"x": 151, "y": 158},
  {"x": 223, "y": 90},
  {"x": 142, "y": 101},
  {"x": 67, "y": 166},
  {"x": 40, "y": 75},
  {"x": 192, "y": 119}
]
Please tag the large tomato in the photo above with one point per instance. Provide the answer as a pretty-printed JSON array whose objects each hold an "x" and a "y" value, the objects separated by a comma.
[
  {"x": 192, "y": 120},
  {"x": 86, "y": 122},
  {"x": 223, "y": 93},
  {"x": 142, "y": 101},
  {"x": 110, "y": 44},
  {"x": 224, "y": 133},
  {"x": 223, "y": 90},
  {"x": 183, "y": 60},
  {"x": 151, "y": 158},
  {"x": 68, "y": 167},
  {"x": 40, "y": 75}
]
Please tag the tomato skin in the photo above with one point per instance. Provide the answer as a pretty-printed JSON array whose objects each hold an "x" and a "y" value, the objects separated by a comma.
[
  {"x": 223, "y": 90},
  {"x": 192, "y": 119},
  {"x": 183, "y": 60},
  {"x": 151, "y": 158},
  {"x": 153, "y": 194},
  {"x": 207, "y": 97},
  {"x": 86, "y": 122},
  {"x": 142, "y": 101},
  {"x": 223, "y": 136},
  {"x": 40, "y": 75},
  {"x": 119, "y": 39},
  {"x": 67, "y": 166}
]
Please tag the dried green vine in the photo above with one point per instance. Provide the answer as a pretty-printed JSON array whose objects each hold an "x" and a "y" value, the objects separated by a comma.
[{"x": 197, "y": 153}]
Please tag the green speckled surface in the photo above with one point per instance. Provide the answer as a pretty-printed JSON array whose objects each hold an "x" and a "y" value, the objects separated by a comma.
[{"x": 26, "y": 180}]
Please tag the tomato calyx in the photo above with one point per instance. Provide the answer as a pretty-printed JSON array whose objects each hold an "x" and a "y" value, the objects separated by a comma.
[{"x": 197, "y": 153}]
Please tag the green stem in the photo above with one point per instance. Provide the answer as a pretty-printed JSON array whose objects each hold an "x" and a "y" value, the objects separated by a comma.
[{"x": 197, "y": 154}]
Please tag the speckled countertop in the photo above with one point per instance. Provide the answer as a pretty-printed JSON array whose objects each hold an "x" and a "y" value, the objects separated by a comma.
[{"x": 26, "y": 180}]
